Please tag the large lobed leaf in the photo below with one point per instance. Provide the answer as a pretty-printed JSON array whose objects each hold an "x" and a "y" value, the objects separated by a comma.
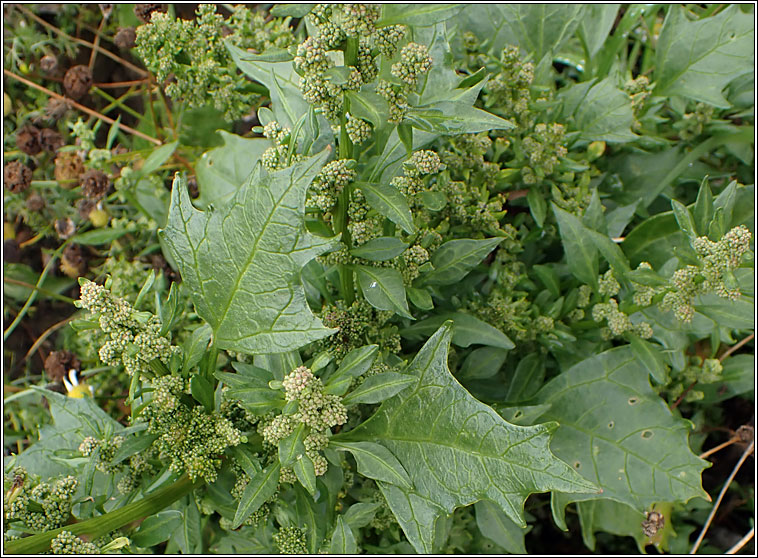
[
  {"x": 618, "y": 434},
  {"x": 698, "y": 59},
  {"x": 242, "y": 261},
  {"x": 457, "y": 450}
]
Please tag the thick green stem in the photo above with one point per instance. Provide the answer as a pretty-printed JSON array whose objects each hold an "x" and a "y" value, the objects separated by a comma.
[{"x": 99, "y": 526}]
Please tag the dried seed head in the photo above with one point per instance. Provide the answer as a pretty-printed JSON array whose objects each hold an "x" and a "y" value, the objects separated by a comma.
[
  {"x": 65, "y": 228},
  {"x": 94, "y": 184},
  {"x": 48, "y": 63},
  {"x": 654, "y": 522},
  {"x": 17, "y": 176},
  {"x": 125, "y": 37},
  {"x": 56, "y": 108},
  {"x": 68, "y": 168},
  {"x": 73, "y": 263},
  {"x": 77, "y": 81},
  {"x": 50, "y": 140},
  {"x": 35, "y": 202},
  {"x": 28, "y": 140}
]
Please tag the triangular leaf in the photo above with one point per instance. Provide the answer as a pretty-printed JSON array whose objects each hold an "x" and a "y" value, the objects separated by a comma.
[
  {"x": 242, "y": 261},
  {"x": 623, "y": 438},
  {"x": 466, "y": 454}
]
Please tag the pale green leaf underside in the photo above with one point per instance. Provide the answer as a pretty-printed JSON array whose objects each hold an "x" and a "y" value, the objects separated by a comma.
[
  {"x": 622, "y": 437},
  {"x": 242, "y": 261},
  {"x": 457, "y": 450}
]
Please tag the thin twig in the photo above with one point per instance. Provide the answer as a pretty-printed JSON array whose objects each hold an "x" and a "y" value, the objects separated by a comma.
[
  {"x": 82, "y": 108},
  {"x": 716, "y": 505},
  {"x": 41, "y": 339},
  {"x": 742, "y": 542},
  {"x": 100, "y": 49},
  {"x": 721, "y": 446},
  {"x": 45, "y": 292},
  {"x": 115, "y": 84},
  {"x": 95, "y": 46},
  {"x": 734, "y": 348}
]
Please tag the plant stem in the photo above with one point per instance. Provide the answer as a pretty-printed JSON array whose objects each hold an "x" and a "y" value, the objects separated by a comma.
[
  {"x": 734, "y": 348},
  {"x": 45, "y": 292},
  {"x": 716, "y": 505},
  {"x": 104, "y": 524},
  {"x": 742, "y": 542},
  {"x": 82, "y": 108}
]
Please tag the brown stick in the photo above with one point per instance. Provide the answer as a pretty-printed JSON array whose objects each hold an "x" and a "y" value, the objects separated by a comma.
[
  {"x": 82, "y": 108},
  {"x": 685, "y": 392},
  {"x": 734, "y": 348},
  {"x": 721, "y": 446},
  {"x": 100, "y": 49},
  {"x": 115, "y": 84}
]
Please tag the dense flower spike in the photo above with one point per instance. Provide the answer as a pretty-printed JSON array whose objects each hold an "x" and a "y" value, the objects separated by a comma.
[
  {"x": 68, "y": 543},
  {"x": 134, "y": 339},
  {"x": 40, "y": 506},
  {"x": 414, "y": 62}
]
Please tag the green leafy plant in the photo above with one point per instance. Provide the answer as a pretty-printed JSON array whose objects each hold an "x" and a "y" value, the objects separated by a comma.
[{"x": 466, "y": 280}]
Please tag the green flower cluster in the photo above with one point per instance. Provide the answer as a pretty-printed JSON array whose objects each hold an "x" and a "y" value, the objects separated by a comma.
[
  {"x": 290, "y": 540},
  {"x": 191, "y": 58},
  {"x": 709, "y": 371},
  {"x": 358, "y": 130},
  {"x": 330, "y": 182},
  {"x": 420, "y": 164},
  {"x": 692, "y": 123},
  {"x": 280, "y": 155},
  {"x": 68, "y": 543},
  {"x": 543, "y": 147},
  {"x": 317, "y": 410},
  {"x": 104, "y": 451},
  {"x": 414, "y": 62},
  {"x": 509, "y": 90},
  {"x": 39, "y": 506},
  {"x": 359, "y": 324},
  {"x": 134, "y": 337},
  {"x": 618, "y": 322},
  {"x": 190, "y": 437},
  {"x": 714, "y": 273}
]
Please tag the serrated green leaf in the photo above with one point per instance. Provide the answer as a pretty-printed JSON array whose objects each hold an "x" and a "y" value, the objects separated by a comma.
[
  {"x": 581, "y": 253},
  {"x": 493, "y": 459},
  {"x": 378, "y": 387},
  {"x": 156, "y": 528},
  {"x": 417, "y": 14},
  {"x": 383, "y": 288},
  {"x": 375, "y": 462},
  {"x": 495, "y": 525},
  {"x": 467, "y": 330},
  {"x": 343, "y": 540},
  {"x": 222, "y": 170},
  {"x": 456, "y": 258},
  {"x": 241, "y": 261},
  {"x": 380, "y": 249},
  {"x": 388, "y": 201},
  {"x": 623, "y": 438},
  {"x": 260, "y": 488},
  {"x": 697, "y": 59}
]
